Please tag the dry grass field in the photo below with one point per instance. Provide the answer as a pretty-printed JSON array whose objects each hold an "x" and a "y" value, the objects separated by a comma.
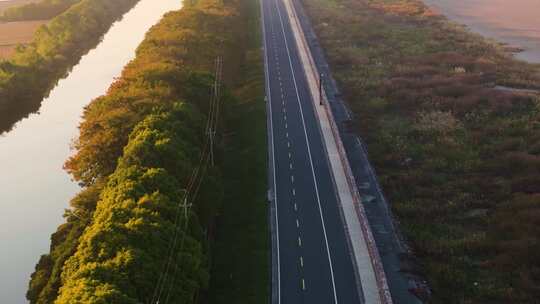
[{"x": 14, "y": 33}]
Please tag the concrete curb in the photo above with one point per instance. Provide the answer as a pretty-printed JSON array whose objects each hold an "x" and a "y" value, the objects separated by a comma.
[{"x": 272, "y": 212}]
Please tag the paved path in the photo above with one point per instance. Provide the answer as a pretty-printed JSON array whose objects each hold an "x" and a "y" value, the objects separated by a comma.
[{"x": 312, "y": 213}]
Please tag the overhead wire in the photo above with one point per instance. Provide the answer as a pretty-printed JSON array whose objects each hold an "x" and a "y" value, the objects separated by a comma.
[{"x": 190, "y": 192}]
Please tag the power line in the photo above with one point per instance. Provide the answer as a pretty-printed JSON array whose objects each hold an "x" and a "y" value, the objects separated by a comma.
[
  {"x": 213, "y": 120},
  {"x": 192, "y": 190}
]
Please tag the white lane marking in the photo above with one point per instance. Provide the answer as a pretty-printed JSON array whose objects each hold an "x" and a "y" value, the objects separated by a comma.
[
  {"x": 290, "y": 166},
  {"x": 288, "y": 144},
  {"x": 309, "y": 152},
  {"x": 299, "y": 242},
  {"x": 301, "y": 262},
  {"x": 290, "y": 155},
  {"x": 266, "y": 58},
  {"x": 295, "y": 207},
  {"x": 297, "y": 224},
  {"x": 292, "y": 179},
  {"x": 287, "y": 134},
  {"x": 294, "y": 192},
  {"x": 286, "y": 126},
  {"x": 303, "y": 284}
]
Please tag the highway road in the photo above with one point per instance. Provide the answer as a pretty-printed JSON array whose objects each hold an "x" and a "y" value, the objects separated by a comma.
[{"x": 314, "y": 263}]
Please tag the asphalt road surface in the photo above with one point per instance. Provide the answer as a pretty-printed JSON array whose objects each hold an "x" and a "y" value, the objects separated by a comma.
[{"x": 314, "y": 263}]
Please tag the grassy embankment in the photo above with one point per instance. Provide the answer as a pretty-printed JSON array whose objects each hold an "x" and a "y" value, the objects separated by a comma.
[
  {"x": 459, "y": 160},
  {"x": 33, "y": 69},
  {"x": 139, "y": 136},
  {"x": 241, "y": 251}
]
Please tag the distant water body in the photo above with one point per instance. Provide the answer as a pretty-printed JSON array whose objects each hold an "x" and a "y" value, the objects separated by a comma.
[
  {"x": 515, "y": 22},
  {"x": 34, "y": 190}
]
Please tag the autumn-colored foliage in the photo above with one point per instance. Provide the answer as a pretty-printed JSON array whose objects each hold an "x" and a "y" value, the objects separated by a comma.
[{"x": 138, "y": 148}]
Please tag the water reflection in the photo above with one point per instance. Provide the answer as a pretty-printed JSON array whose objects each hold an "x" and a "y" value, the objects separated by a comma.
[{"x": 34, "y": 190}]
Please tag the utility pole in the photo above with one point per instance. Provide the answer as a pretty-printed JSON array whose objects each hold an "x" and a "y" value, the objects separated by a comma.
[
  {"x": 184, "y": 205},
  {"x": 214, "y": 105}
]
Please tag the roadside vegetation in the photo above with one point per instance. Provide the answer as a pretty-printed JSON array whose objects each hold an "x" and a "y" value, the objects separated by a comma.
[
  {"x": 138, "y": 147},
  {"x": 42, "y": 10},
  {"x": 34, "y": 68},
  {"x": 240, "y": 265},
  {"x": 458, "y": 158}
]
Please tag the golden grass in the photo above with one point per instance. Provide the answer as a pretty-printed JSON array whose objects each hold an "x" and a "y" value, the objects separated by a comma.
[{"x": 14, "y": 33}]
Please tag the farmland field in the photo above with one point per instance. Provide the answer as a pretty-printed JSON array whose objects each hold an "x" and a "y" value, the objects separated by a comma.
[
  {"x": 7, "y": 4},
  {"x": 14, "y": 33}
]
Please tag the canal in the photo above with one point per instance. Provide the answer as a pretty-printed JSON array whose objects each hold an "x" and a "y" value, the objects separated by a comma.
[{"x": 35, "y": 189}]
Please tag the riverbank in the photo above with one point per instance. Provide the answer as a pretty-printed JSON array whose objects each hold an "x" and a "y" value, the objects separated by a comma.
[
  {"x": 455, "y": 154},
  {"x": 32, "y": 71},
  {"x": 171, "y": 68}
]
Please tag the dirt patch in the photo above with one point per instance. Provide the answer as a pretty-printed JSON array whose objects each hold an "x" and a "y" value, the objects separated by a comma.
[{"x": 14, "y": 33}]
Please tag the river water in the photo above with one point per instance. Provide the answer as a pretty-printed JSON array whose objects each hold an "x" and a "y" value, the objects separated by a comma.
[
  {"x": 516, "y": 22},
  {"x": 34, "y": 189}
]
